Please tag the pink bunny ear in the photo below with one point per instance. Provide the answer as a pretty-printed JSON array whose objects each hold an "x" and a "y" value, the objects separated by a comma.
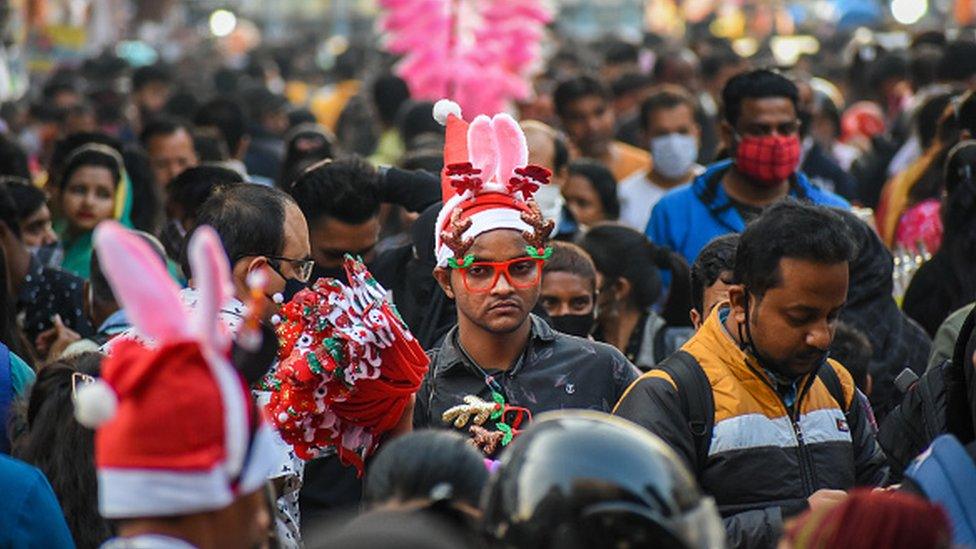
[
  {"x": 211, "y": 278},
  {"x": 141, "y": 284},
  {"x": 482, "y": 148},
  {"x": 512, "y": 149}
]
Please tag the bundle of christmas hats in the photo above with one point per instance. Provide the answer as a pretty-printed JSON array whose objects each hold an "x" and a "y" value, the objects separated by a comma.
[{"x": 348, "y": 368}]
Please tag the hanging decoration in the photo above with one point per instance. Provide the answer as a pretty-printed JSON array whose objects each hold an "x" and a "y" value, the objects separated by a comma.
[
  {"x": 348, "y": 368},
  {"x": 480, "y": 53}
]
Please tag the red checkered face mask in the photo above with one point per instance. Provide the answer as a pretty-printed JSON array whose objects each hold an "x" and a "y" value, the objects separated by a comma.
[{"x": 768, "y": 159}]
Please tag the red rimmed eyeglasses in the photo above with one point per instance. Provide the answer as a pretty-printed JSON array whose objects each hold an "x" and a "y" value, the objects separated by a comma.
[{"x": 481, "y": 276}]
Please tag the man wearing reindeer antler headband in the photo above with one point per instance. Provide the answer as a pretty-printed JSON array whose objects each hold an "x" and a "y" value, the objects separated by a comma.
[{"x": 501, "y": 364}]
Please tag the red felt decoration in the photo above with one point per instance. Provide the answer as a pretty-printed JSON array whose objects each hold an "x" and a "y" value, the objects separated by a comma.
[{"x": 348, "y": 367}]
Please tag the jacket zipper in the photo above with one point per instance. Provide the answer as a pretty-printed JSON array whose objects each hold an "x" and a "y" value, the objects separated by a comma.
[{"x": 805, "y": 466}]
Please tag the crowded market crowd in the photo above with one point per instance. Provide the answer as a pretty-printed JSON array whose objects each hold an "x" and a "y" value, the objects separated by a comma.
[{"x": 674, "y": 298}]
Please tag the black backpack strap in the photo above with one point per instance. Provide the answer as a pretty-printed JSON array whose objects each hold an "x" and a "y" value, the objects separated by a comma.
[
  {"x": 695, "y": 399},
  {"x": 829, "y": 378}
]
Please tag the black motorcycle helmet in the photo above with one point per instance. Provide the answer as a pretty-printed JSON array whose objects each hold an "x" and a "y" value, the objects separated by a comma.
[{"x": 585, "y": 479}]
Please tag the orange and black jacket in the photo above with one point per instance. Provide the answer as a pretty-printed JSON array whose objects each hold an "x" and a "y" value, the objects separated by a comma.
[{"x": 764, "y": 458}]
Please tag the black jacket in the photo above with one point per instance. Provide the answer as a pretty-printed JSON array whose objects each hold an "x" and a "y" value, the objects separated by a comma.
[{"x": 556, "y": 371}]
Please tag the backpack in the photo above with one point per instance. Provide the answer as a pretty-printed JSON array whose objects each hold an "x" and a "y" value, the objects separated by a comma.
[{"x": 698, "y": 407}]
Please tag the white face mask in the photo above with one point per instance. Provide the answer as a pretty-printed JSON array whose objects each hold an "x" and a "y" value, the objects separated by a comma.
[{"x": 674, "y": 154}]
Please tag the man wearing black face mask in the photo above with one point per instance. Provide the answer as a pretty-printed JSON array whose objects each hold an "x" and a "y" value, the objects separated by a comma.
[
  {"x": 770, "y": 425},
  {"x": 569, "y": 290}
]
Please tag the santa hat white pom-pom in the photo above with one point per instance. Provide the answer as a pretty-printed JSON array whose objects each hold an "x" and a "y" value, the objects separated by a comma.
[
  {"x": 444, "y": 108},
  {"x": 95, "y": 403}
]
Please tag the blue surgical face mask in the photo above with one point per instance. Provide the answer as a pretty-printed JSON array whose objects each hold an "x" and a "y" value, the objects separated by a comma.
[{"x": 674, "y": 154}]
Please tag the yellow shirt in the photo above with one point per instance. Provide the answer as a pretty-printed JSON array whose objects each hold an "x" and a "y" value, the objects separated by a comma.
[{"x": 627, "y": 160}]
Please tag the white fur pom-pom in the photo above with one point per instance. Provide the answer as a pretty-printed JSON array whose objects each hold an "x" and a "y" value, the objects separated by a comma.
[
  {"x": 95, "y": 403},
  {"x": 275, "y": 320},
  {"x": 444, "y": 108}
]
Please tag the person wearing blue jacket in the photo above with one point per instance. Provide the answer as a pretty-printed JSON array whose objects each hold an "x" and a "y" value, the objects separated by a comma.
[
  {"x": 30, "y": 515},
  {"x": 762, "y": 130}
]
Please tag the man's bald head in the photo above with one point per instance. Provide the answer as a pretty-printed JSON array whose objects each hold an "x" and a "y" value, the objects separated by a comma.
[{"x": 547, "y": 148}]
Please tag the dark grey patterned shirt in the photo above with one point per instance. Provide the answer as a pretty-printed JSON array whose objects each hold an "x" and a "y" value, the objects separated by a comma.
[{"x": 556, "y": 371}]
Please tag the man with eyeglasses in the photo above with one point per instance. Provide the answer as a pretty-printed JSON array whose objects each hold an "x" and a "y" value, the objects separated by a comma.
[
  {"x": 761, "y": 132},
  {"x": 501, "y": 365}
]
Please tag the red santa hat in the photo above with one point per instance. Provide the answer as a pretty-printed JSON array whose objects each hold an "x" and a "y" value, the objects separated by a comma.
[
  {"x": 176, "y": 429},
  {"x": 487, "y": 183}
]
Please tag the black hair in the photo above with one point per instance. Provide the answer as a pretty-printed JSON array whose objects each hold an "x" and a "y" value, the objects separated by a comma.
[
  {"x": 27, "y": 198},
  {"x": 852, "y": 349},
  {"x": 305, "y": 145},
  {"x": 63, "y": 450},
  {"x": 629, "y": 83},
  {"x": 261, "y": 102},
  {"x": 91, "y": 158},
  {"x": 574, "y": 89},
  {"x": 923, "y": 65},
  {"x": 429, "y": 464},
  {"x": 790, "y": 229},
  {"x": 602, "y": 181},
  {"x": 161, "y": 126},
  {"x": 13, "y": 159},
  {"x": 182, "y": 105},
  {"x": 619, "y": 251},
  {"x": 717, "y": 257},
  {"x": 100, "y": 288},
  {"x": 560, "y": 156},
  {"x": 959, "y": 220},
  {"x": 958, "y": 61},
  {"x": 927, "y": 117},
  {"x": 65, "y": 146},
  {"x": 889, "y": 66},
  {"x": 150, "y": 74},
  {"x": 346, "y": 190},
  {"x": 667, "y": 97},
  {"x": 757, "y": 84},
  {"x": 147, "y": 201},
  {"x": 210, "y": 145},
  {"x": 250, "y": 220},
  {"x": 10, "y": 333},
  {"x": 390, "y": 92},
  {"x": 619, "y": 51},
  {"x": 194, "y": 186},
  {"x": 9, "y": 212},
  {"x": 416, "y": 118},
  {"x": 227, "y": 116},
  {"x": 714, "y": 61},
  {"x": 570, "y": 258}
]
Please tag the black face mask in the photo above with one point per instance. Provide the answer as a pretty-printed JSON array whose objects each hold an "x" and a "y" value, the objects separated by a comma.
[
  {"x": 576, "y": 325},
  {"x": 293, "y": 286}
]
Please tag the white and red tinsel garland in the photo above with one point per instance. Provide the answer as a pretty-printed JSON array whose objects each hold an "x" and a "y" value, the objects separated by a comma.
[{"x": 477, "y": 52}]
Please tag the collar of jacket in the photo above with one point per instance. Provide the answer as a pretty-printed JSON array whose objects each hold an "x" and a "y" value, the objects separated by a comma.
[
  {"x": 709, "y": 190},
  {"x": 450, "y": 354},
  {"x": 715, "y": 340}
]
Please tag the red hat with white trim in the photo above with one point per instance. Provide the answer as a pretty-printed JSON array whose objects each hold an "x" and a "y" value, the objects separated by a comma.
[
  {"x": 177, "y": 431},
  {"x": 487, "y": 183}
]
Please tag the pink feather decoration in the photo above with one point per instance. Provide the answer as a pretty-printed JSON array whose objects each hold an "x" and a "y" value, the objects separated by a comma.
[{"x": 479, "y": 53}]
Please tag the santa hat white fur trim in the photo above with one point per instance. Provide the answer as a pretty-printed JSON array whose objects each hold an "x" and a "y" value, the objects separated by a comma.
[
  {"x": 445, "y": 108},
  {"x": 95, "y": 403},
  {"x": 483, "y": 222},
  {"x": 130, "y": 493}
]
